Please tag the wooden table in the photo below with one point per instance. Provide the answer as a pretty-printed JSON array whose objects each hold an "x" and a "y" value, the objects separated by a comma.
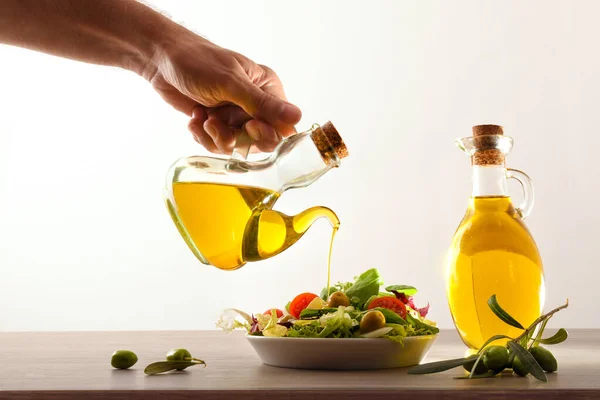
[{"x": 77, "y": 365}]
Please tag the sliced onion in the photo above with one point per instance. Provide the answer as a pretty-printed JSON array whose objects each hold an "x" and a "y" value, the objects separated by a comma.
[{"x": 377, "y": 333}]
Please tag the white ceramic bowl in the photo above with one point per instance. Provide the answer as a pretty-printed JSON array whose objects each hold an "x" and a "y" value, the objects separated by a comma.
[{"x": 314, "y": 353}]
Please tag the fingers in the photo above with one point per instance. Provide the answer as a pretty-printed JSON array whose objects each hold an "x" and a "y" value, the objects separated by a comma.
[
  {"x": 220, "y": 133},
  {"x": 196, "y": 127},
  {"x": 206, "y": 142},
  {"x": 231, "y": 115},
  {"x": 264, "y": 106},
  {"x": 264, "y": 137},
  {"x": 270, "y": 83},
  {"x": 219, "y": 126}
]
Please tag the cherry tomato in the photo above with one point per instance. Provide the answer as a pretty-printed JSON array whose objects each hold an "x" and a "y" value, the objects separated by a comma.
[
  {"x": 277, "y": 311},
  {"x": 391, "y": 303},
  {"x": 300, "y": 302}
]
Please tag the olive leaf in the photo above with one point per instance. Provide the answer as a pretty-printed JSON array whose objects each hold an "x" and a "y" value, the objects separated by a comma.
[
  {"x": 407, "y": 290},
  {"x": 479, "y": 360},
  {"x": 488, "y": 374},
  {"x": 540, "y": 333},
  {"x": 439, "y": 366},
  {"x": 503, "y": 315},
  {"x": 166, "y": 366},
  {"x": 492, "y": 339},
  {"x": 557, "y": 338},
  {"x": 529, "y": 363},
  {"x": 524, "y": 340}
]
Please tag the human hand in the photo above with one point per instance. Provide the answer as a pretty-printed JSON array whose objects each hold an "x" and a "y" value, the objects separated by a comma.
[{"x": 221, "y": 91}]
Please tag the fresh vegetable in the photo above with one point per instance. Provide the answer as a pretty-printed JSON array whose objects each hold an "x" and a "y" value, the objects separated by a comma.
[
  {"x": 278, "y": 312},
  {"x": 300, "y": 302},
  {"x": 406, "y": 290},
  {"x": 355, "y": 309},
  {"x": 391, "y": 303},
  {"x": 404, "y": 294},
  {"x": 365, "y": 286},
  {"x": 312, "y": 314},
  {"x": 371, "y": 321},
  {"x": 391, "y": 317},
  {"x": 337, "y": 299}
]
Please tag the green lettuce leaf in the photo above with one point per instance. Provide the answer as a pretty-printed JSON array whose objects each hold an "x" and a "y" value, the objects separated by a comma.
[
  {"x": 398, "y": 333},
  {"x": 365, "y": 286},
  {"x": 305, "y": 330},
  {"x": 390, "y": 316},
  {"x": 421, "y": 327}
]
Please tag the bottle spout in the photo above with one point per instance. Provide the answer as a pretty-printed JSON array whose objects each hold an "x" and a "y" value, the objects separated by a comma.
[
  {"x": 303, "y": 221},
  {"x": 271, "y": 232}
]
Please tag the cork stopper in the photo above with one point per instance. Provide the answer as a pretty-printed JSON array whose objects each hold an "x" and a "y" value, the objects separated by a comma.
[
  {"x": 483, "y": 130},
  {"x": 330, "y": 143},
  {"x": 485, "y": 138}
]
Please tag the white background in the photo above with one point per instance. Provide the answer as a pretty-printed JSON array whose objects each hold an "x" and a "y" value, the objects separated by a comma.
[{"x": 86, "y": 242}]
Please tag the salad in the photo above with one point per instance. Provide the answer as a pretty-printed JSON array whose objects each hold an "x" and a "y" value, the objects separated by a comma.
[{"x": 356, "y": 309}]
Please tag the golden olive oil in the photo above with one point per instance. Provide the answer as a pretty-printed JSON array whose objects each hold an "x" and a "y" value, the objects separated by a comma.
[
  {"x": 493, "y": 253},
  {"x": 237, "y": 225}
]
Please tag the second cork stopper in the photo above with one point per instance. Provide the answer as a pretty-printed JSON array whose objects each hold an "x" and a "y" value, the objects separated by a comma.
[
  {"x": 485, "y": 138},
  {"x": 483, "y": 130}
]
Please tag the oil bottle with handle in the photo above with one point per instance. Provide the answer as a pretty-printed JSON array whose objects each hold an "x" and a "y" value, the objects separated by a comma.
[
  {"x": 492, "y": 251},
  {"x": 223, "y": 207}
]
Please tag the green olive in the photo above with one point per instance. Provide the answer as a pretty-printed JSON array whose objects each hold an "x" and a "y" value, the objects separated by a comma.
[
  {"x": 123, "y": 359},
  {"x": 518, "y": 367},
  {"x": 372, "y": 321},
  {"x": 545, "y": 358},
  {"x": 511, "y": 358},
  {"x": 481, "y": 368},
  {"x": 496, "y": 358},
  {"x": 338, "y": 299},
  {"x": 179, "y": 355}
]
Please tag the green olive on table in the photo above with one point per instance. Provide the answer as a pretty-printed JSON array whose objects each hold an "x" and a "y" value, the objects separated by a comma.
[
  {"x": 123, "y": 359},
  {"x": 496, "y": 358},
  {"x": 480, "y": 369},
  {"x": 545, "y": 358},
  {"x": 518, "y": 367},
  {"x": 179, "y": 355}
]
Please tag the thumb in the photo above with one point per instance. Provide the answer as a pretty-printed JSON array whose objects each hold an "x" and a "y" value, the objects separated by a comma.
[{"x": 264, "y": 106}]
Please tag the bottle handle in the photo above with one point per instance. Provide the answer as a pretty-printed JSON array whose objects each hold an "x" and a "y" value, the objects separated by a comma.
[
  {"x": 242, "y": 145},
  {"x": 523, "y": 209}
]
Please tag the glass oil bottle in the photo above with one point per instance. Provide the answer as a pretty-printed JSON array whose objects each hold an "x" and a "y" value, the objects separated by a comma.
[
  {"x": 223, "y": 208},
  {"x": 492, "y": 251}
]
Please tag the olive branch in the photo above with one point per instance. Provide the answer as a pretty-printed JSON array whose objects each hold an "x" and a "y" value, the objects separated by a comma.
[{"x": 523, "y": 358}]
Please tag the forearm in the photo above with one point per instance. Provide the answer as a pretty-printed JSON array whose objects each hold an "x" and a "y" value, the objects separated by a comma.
[{"x": 122, "y": 33}]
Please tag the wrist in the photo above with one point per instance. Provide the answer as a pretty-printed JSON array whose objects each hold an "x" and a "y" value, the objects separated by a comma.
[{"x": 150, "y": 41}]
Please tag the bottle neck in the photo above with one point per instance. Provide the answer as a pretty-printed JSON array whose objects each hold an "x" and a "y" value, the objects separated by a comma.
[
  {"x": 489, "y": 180},
  {"x": 300, "y": 162}
]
